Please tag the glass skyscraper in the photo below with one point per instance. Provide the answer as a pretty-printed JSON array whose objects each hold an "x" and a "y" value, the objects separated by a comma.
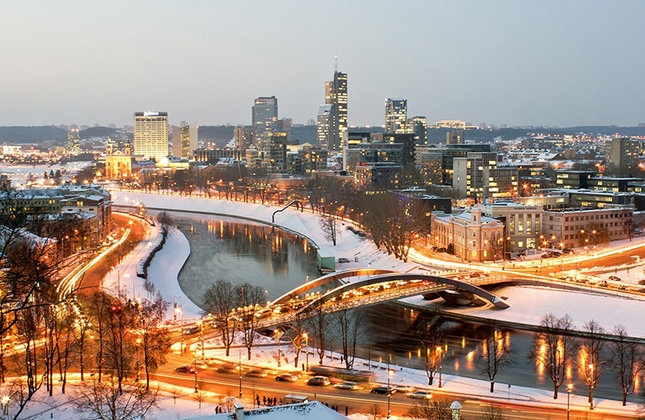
[
  {"x": 396, "y": 114},
  {"x": 151, "y": 135},
  {"x": 264, "y": 118}
]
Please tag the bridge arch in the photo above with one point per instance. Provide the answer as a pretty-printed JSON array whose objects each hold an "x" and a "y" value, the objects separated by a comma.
[
  {"x": 328, "y": 278},
  {"x": 390, "y": 277}
]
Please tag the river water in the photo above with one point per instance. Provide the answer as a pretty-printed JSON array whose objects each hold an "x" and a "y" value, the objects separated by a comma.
[{"x": 278, "y": 261}]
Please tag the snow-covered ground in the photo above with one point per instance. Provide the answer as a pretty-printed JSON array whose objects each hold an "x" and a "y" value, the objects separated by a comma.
[
  {"x": 528, "y": 305},
  {"x": 162, "y": 272},
  {"x": 459, "y": 387}
]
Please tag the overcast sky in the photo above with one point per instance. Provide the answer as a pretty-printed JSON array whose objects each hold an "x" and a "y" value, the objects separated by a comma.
[{"x": 516, "y": 62}]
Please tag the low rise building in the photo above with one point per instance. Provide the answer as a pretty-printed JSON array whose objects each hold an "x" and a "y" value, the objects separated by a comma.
[
  {"x": 469, "y": 235},
  {"x": 574, "y": 227},
  {"x": 380, "y": 175},
  {"x": 522, "y": 223}
]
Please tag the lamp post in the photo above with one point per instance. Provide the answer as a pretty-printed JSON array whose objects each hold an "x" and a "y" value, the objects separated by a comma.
[
  {"x": 277, "y": 332},
  {"x": 569, "y": 389},
  {"x": 239, "y": 367},
  {"x": 181, "y": 331},
  {"x": 5, "y": 404},
  {"x": 440, "y": 364},
  {"x": 138, "y": 343},
  {"x": 389, "y": 393},
  {"x": 591, "y": 382},
  {"x": 195, "y": 366},
  {"x": 306, "y": 337},
  {"x": 200, "y": 324}
]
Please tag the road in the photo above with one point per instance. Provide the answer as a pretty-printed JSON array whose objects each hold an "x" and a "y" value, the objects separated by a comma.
[{"x": 358, "y": 401}]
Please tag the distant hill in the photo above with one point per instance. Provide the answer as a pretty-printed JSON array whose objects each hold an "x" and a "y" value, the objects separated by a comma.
[
  {"x": 88, "y": 133},
  {"x": 32, "y": 134}
]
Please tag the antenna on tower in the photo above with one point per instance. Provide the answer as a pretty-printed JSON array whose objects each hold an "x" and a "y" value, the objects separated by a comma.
[{"x": 335, "y": 63}]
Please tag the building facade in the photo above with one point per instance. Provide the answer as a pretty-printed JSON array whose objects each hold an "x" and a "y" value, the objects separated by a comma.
[
  {"x": 336, "y": 95},
  {"x": 264, "y": 117},
  {"x": 151, "y": 135},
  {"x": 118, "y": 162},
  {"x": 184, "y": 140},
  {"x": 522, "y": 224},
  {"x": 569, "y": 228},
  {"x": 419, "y": 127},
  {"x": 242, "y": 137},
  {"x": 396, "y": 115},
  {"x": 469, "y": 235}
]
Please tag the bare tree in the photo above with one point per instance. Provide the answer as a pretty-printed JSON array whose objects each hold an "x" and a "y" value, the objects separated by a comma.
[
  {"x": 626, "y": 360},
  {"x": 492, "y": 412},
  {"x": 113, "y": 400},
  {"x": 430, "y": 410},
  {"x": 318, "y": 324},
  {"x": 155, "y": 340},
  {"x": 250, "y": 298},
  {"x": 495, "y": 356},
  {"x": 219, "y": 301},
  {"x": 329, "y": 226},
  {"x": 119, "y": 345},
  {"x": 553, "y": 348},
  {"x": 593, "y": 361},
  {"x": 349, "y": 328},
  {"x": 431, "y": 340}
]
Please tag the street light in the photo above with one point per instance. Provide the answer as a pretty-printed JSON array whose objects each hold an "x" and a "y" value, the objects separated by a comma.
[
  {"x": 440, "y": 364},
  {"x": 306, "y": 337},
  {"x": 389, "y": 393},
  {"x": 239, "y": 367},
  {"x": 138, "y": 343},
  {"x": 591, "y": 381},
  {"x": 5, "y": 404},
  {"x": 277, "y": 332},
  {"x": 569, "y": 389}
]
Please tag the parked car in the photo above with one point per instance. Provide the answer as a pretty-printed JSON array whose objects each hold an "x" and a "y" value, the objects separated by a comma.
[
  {"x": 319, "y": 381},
  {"x": 287, "y": 377},
  {"x": 420, "y": 395},
  {"x": 343, "y": 260},
  {"x": 185, "y": 369},
  {"x": 614, "y": 278},
  {"x": 348, "y": 385},
  {"x": 256, "y": 373},
  {"x": 383, "y": 390}
]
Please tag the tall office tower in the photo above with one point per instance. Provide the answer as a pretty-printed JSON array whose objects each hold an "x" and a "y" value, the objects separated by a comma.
[
  {"x": 184, "y": 140},
  {"x": 622, "y": 155},
  {"x": 264, "y": 118},
  {"x": 284, "y": 126},
  {"x": 455, "y": 137},
  {"x": 73, "y": 141},
  {"x": 336, "y": 95},
  {"x": 243, "y": 137},
  {"x": 396, "y": 114},
  {"x": 151, "y": 135},
  {"x": 419, "y": 127},
  {"x": 327, "y": 127}
]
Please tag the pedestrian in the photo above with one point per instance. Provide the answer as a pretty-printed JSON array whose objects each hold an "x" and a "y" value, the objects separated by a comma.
[
  {"x": 264, "y": 400},
  {"x": 346, "y": 411},
  {"x": 257, "y": 400}
]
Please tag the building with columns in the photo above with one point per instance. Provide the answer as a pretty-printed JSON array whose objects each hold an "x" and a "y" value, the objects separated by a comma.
[
  {"x": 522, "y": 223},
  {"x": 470, "y": 235}
]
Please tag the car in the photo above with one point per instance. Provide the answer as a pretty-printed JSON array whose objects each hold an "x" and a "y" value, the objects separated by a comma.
[
  {"x": 343, "y": 260},
  {"x": 614, "y": 278},
  {"x": 256, "y": 373},
  {"x": 404, "y": 389},
  {"x": 287, "y": 377},
  {"x": 420, "y": 395},
  {"x": 229, "y": 369},
  {"x": 191, "y": 330},
  {"x": 348, "y": 385},
  {"x": 319, "y": 381},
  {"x": 383, "y": 390},
  {"x": 185, "y": 369}
]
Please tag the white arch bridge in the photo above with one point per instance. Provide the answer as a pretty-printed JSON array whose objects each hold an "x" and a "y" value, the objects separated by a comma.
[{"x": 377, "y": 286}]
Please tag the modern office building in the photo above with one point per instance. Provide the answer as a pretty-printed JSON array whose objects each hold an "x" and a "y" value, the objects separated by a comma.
[
  {"x": 336, "y": 94},
  {"x": 73, "y": 141},
  {"x": 327, "y": 127},
  {"x": 419, "y": 127},
  {"x": 455, "y": 137},
  {"x": 396, "y": 115},
  {"x": 438, "y": 162},
  {"x": 568, "y": 179},
  {"x": 468, "y": 176},
  {"x": 623, "y": 155},
  {"x": 242, "y": 137},
  {"x": 361, "y": 154},
  {"x": 151, "y": 135},
  {"x": 574, "y": 227},
  {"x": 184, "y": 140},
  {"x": 264, "y": 117},
  {"x": 213, "y": 156},
  {"x": 378, "y": 175},
  {"x": 500, "y": 182}
]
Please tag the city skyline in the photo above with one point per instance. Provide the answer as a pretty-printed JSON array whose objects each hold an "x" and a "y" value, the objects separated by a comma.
[{"x": 500, "y": 63}]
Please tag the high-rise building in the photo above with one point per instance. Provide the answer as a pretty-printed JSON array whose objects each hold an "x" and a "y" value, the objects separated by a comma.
[
  {"x": 151, "y": 135},
  {"x": 419, "y": 127},
  {"x": 327, "y": 127},
  {"x": 264, "y": 118},
  {"x": 622, "y": 155},
  {"x": 336, "y": 97},
  {"x": 396, "y": 114},
  {"x": 243, "y": 137},
  {"x": 184, "y": 140},
  {"x": 73, "y": 141}
]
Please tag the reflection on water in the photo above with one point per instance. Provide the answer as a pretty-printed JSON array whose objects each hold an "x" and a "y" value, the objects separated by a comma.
[
  {"x": 226, "y": 248},
  {"x": 396, "y": 330}
]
